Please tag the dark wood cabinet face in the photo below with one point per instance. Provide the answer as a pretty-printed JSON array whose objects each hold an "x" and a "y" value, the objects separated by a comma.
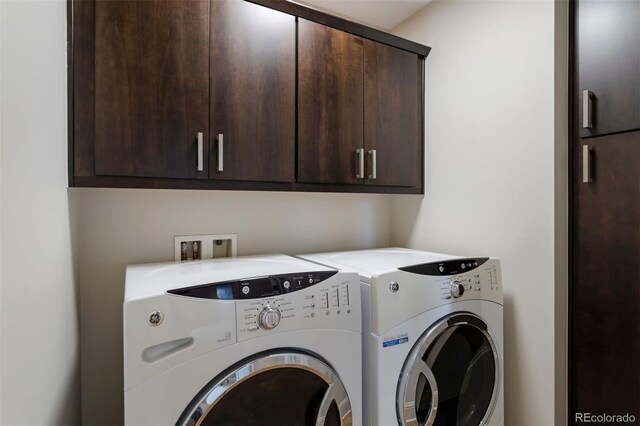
[
  {"x": 605, "y": 290},
  {"x": 608, "y": 59},
  {"x": 151, "y": 87},
  {"x": 147, "y": 77},
  {"x": 392, "y": 115},
  {"x": 253, "y": 77},
  {"x": 330, "y": 104}
]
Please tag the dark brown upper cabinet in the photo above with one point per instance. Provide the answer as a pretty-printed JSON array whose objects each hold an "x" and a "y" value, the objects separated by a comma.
[
  {"x": 151, "y": 87},
  {"x": 607, "y": 48},
  {"x": 235, "y": 94},
  {"x": 330, "y": 105},
  {"x": 253, "y": 77},
  {"x": 392, "y": 115},
  {"x": 359, "y": 110}
]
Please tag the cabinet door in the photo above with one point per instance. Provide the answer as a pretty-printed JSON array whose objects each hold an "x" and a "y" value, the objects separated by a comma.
[
  {"x": 151, "y": 87},
  {"x": 392, "y": 115},
  {"x": 253, "y": 77},
  {"x": 605, "y": 292},
  {"x": 608, "y": 55},
  {"x": 330, "y": 104}
]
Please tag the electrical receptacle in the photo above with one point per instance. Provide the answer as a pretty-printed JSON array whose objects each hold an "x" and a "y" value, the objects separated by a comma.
[{"x": 196, "y": 247}]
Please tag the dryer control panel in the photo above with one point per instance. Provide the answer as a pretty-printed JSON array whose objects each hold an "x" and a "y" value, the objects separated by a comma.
[
  {"x": 471, "y": 278},
  {"x": 477, "y": 284},
  {"x": 411, "y": 290}
]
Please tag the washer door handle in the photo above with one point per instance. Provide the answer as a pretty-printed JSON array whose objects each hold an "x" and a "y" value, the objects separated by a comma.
[
  {"x": 335, "y": 392},
  {"x": 410, "y": 411}
]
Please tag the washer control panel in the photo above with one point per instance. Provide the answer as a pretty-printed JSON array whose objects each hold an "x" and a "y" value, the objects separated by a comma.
[
  {"x": 255, "y": 287},
  {"x": 330, "y": 303}
]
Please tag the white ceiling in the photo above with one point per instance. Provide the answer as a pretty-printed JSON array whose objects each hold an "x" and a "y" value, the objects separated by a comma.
[{"x": 383, "y": 14}]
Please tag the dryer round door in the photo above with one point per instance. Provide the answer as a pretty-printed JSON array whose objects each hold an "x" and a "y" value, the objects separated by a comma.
[
  {"x": 283, "y": 388},
  {"x": 451, "y": 376}
]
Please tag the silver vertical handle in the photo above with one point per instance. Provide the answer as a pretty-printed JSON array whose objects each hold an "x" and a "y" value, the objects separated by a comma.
[
  {"x": 587, "y": 111},
  {"x": 200, "y": 137},
  {"x": 372, "y": 164},
  {"x": 220, "y": 167},
  {"x": 360, "y": 163},
  {"x": 586, "y": 164}
]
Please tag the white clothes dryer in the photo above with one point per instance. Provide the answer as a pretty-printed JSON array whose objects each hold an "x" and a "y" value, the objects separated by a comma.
[
  {"x": 269, "y": 340},
  {"x": 432, "y": 336}
]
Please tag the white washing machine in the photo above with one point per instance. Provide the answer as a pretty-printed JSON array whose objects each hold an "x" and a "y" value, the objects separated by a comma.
[
  {"x": 432, "y": 336},
  {"x": 268, "y": 340}
]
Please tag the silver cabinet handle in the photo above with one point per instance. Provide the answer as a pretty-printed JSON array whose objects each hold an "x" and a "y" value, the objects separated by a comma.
[
  {"x": 372, "y": 164},
  {"x": 220, "y": 167},
  {"x": 587, "y": 111},
  {"x": 586, "y": 164},
  {"x": 200, "y": 138},
  {"x": 360, "y": 163}
]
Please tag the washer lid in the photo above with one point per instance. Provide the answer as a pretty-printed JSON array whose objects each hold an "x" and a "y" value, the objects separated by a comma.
[
  {"x": 376, "y": 261},
  {"x": 290, "y": 388},
  {"x": 157, "y": 278}
]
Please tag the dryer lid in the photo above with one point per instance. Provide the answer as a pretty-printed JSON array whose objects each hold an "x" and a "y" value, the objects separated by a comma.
[{"x": 376, "y": 261}]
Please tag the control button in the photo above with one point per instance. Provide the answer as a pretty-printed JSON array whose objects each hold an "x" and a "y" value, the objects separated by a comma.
[
  {"x": 328, "y": 312},
  {"x": 269, "y": 318},
  {"x": 338, "y": 311},
  {"x": 462, "y": 266},
  {"x": 246, "y": 289},
  {"x": 252, "y": 328},
  {"x": 447, "y": 297},
  {"x": 394, "y": 286},
  {"x": 441, "y": 268},
  {"x": 457, "y": 289},
  {"x": 313, "y": 305},
  {"x": 313, "y": 296},
  {"x": 310, "y": 280},
  {"x": 348, "y": 311},
  {"x": 286, "y": 285}
]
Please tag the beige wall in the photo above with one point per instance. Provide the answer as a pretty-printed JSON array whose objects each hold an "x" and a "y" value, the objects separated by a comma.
[
  {"x": 490, "y": 179},
  {"x": 561, "y": 58},
  {"x": 120, "y": 227},
  {"x": 39, "y": 344}
]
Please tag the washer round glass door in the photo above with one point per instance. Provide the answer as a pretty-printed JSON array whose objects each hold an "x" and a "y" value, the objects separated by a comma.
[
  {"x": 273, "y": 389},
  {"x": 451, "y": 375}
]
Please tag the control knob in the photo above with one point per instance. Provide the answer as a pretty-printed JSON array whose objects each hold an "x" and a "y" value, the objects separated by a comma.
[
  {"x": 457, "y": 289},
  {"x": 269, "y": 318}
]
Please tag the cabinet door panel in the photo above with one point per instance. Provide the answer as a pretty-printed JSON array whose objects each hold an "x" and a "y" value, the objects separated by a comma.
[
  {"x": 608, "y": 54},
  {"x": 392, "y": 109},
  {"x": 253, "y": 77},
  {"x": 605, "y": 292},
  {"x": 330, "y": 104},
  {"x": 151, "y": 86}
]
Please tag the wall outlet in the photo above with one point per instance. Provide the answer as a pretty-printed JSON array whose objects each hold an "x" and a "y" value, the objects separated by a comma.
[{"x": 196, "y": 247}]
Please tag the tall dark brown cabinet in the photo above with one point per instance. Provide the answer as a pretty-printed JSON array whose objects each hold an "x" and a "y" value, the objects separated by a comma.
[{"x": 604, "y": 295}]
